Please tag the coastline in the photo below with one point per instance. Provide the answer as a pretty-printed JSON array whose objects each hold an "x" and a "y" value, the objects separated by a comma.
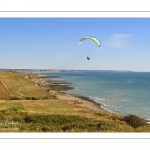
[
  {"x": 63, "y": 86},
  {"x": 60, "y": 88},
  {"x": 42, "y": 109}
]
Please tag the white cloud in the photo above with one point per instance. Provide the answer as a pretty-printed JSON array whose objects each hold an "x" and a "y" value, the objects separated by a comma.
[{"x": 117, "y": 41}]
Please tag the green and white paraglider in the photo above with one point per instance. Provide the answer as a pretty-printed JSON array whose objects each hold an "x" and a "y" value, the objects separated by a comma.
[{"x": 90, "y": 38}]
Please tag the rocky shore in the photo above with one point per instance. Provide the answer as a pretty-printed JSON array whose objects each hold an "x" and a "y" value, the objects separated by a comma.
[{"x": 59, "y": 88}]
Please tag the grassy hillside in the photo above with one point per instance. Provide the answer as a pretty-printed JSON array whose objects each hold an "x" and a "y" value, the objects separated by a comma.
[
  {"x": 22, "y": 86},
  {"x": 51, "y": 114}
]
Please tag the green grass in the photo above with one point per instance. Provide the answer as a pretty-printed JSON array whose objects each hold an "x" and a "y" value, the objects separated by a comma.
[{"x": 56, "y": 123}]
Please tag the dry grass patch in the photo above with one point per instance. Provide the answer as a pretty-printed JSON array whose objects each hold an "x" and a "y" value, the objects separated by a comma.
[
  {"x": 65, "y": 107},
  {"x": 19, "y": 86},
  {"x": 3, "y": 91}
]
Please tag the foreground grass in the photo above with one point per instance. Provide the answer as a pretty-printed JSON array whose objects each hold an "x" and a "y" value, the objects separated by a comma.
[{"x": 59, "y": 116}]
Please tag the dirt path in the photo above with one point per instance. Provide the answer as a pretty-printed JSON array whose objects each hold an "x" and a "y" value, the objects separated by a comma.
[{"x": 21, "y": 86}]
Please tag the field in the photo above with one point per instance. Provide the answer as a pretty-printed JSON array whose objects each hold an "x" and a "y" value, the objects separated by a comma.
[
  {"x": 28, "y": 107},
  {"x": 3, "y": 91},
  {"x": 21, "y": 86}
]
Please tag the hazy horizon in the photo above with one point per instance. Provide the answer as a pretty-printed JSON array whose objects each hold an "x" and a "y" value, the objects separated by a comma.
[{"x": 43, "y": 69}]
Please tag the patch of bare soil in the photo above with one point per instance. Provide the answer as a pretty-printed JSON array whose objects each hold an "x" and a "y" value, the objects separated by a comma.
[{"x": 3, "y": 90}]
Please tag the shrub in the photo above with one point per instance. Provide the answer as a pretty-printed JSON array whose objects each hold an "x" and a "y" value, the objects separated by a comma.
[
  {"x": 28, "y": 119},
  {"x": 134, "y": 121},
  {"x": 32, "y": 98},
  {"x": 14, "y": 98}
]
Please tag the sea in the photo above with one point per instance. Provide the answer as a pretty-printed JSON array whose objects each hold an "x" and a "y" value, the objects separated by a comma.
[{"x": 119, "y": 92}]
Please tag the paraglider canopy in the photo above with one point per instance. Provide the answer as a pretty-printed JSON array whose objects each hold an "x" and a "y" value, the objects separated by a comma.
[{"x": 91, "y": 38}]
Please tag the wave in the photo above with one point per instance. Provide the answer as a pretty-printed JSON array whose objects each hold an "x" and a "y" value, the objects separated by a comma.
[
  {"x": 105, "y": 106},
  {"x": 148, "y": 121},
  {"x": 97, "y": 98}
]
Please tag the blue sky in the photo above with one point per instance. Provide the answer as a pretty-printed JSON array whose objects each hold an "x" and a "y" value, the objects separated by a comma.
[{"x": 53, "y": 43}]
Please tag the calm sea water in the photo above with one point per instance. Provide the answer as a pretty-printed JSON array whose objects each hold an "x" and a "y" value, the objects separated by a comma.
[{"x": 120, "y": 92}]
